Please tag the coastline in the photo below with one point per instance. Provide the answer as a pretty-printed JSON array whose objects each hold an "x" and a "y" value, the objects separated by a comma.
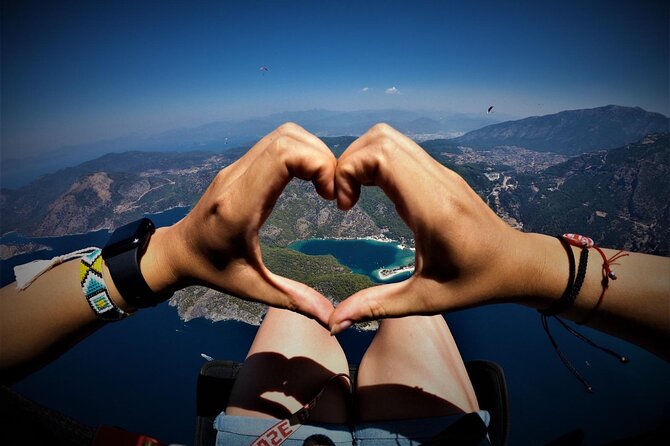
[
  {"x": 374, "y": 238},
  {"x": 388, "y": 273},
  {"x": 31, "y": 239},
  {"x": 109, "y": 229}
]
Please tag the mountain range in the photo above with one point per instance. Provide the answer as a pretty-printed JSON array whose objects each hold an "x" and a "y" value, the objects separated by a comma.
[
  {"x": 570, "y": 132},
  {"x": 618, "y": 196},
  {"x": 223, "y": 135}
]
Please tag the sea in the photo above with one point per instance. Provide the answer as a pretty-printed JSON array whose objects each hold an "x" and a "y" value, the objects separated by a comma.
[{"x": 141, "y": 373}]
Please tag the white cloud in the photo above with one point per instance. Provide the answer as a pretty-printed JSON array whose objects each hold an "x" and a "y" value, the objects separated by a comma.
[
  {"x": 392, "y": 90},
  {"x": 364, "y": 89}
]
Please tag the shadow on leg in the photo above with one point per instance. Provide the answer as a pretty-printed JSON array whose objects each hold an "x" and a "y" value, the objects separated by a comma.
[
  {"x": 290, "y": 360},
  {"x": 413, "y": 369}
]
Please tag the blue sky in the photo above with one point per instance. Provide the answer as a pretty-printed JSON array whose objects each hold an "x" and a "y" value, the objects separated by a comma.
[{"x": 76, "y": 72}]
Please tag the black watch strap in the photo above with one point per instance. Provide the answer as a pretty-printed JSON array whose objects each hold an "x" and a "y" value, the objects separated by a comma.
[{"x": 125, "y": 270}]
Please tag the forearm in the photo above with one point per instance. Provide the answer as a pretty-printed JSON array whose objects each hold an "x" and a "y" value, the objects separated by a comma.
[
  {"x": 41, "y": 322},
  {"x": 635, "y": 307},
  {"x": 215, "y": 245}
]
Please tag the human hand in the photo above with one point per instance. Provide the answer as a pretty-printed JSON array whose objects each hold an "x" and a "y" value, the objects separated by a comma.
[
  {"x": 465, "y": 254},
  {"x": 217, "y": 243}
]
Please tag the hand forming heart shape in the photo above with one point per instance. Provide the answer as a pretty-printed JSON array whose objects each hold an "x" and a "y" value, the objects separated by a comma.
[{"x": 217, "y": 243}]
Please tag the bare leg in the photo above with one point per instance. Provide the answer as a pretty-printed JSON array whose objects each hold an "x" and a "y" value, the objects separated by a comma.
[
  {"x": 413, "y": 369},
  {"x": 288, "y": 363}
]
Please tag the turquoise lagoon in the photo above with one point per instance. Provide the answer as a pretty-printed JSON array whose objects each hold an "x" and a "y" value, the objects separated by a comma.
[{"x": 362, "y": 256}]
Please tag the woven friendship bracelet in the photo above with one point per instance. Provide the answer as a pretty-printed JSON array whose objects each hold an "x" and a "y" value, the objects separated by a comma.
[
  {"x": 572, "y": 291},
  {"x": 95, "y": 290}
]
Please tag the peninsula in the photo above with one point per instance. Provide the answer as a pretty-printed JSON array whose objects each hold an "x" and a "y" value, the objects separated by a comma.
[{"x": 387, "y": 273}]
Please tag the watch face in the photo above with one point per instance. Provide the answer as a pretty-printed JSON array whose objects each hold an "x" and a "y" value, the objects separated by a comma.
[{"x": 130, "y": 236}]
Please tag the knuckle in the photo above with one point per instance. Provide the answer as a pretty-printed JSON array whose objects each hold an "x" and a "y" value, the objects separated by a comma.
[
  {"x": 375, "y": 309},
  {"x": 381, "y": 129},
  {"x": 219, "y": 178},
  {"x": 224, "y": 209},
  {"x": 345, "y": 169},
  {"x": 280, "y": 146},
  {"x": 290, "y": 304},
  {"x": 387, "y": 150},
  {"x": 385, "y": 142},
  {"x": 288, "y": 128},
  {"x": 456, "y": 177}
]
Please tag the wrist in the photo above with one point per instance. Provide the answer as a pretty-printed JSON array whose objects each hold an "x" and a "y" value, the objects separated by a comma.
[
  {"x": 544, "y": 270},
  {"x": 156, "y": 268},
  {"x": 114, "y": 293},
  {"x": 157, "y": 264}
]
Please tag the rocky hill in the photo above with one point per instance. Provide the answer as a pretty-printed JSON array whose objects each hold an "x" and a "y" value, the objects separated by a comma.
[
  {"x": 322, "y": 273},
  {"x": 570, "y": 132},
  {"x": 619, "y": 197},
  {"x": 117, "y": 188},
  {"x": 108, "y": 192}
]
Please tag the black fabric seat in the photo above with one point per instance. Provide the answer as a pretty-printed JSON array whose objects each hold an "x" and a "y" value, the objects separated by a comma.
[{"x": 216, "y": 380}]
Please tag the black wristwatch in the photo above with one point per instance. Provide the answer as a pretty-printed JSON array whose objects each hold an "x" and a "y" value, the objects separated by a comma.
[{"x": 122, "y": 255}]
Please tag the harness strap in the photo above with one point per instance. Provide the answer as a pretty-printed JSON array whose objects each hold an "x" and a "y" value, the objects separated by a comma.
[{"x": 282, "y": 430}]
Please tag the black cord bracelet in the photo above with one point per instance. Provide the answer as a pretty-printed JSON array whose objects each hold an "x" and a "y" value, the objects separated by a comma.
[
  {"x": 574, "y": 283},
  {"x": 565, "y": 302},
  {"x": 581, "y": 275}
]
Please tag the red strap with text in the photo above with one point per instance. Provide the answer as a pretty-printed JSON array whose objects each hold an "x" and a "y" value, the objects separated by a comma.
[{"x": 281, "y": 431}]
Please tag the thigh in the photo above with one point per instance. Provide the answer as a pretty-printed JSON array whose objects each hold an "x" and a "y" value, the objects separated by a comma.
[
  {"x": 290, "y": 360},
  {"x": 413, "y": 369}
]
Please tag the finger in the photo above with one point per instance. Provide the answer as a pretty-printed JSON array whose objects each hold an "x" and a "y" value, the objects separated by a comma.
[
  {"x": 312, "y": 164},
  {"x": 260, "y": 285},
  {"x": 323, "y": 175},
  {"x": 288, "y": 129},
  {"x": 299, "y": 133},
  {"x": 410, "y": 181},
  {"x": 374, "y": 165},
  {"x": 379, "y": 157},
  {"x": 275, "y": 167},
  {"x": 304, "y": 299},
  {"x": 355, "y": 167},
  {"x": 347, "y": 192}
]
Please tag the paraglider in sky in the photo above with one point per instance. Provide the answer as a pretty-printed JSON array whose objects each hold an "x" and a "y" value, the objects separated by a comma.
[
  {"x": 489, "y": 110},
  {"x": 264, "y": 69}
]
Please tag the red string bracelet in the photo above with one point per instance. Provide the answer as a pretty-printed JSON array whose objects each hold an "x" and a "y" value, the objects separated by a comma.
[
  {"x": 607, "y": 275},
  {"x": 582, "y": 241},
  {"x": 569, "y": 296}
]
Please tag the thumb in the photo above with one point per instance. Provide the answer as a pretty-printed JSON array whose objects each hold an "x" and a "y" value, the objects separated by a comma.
[
  {"x": 379, "y": 302},
  {"x": 303, "y": 299}
]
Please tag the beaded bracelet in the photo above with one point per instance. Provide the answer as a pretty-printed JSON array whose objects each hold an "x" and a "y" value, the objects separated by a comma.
[{"x": 95, "y": 290}]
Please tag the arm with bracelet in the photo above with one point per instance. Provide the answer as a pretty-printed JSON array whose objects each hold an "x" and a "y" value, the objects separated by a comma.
[
  {"x": 635, "y": 306},
  {"x": 72, "y": 299},
  {"x": 215, "y": 245},
  {"x": 468, "y": 256}
]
